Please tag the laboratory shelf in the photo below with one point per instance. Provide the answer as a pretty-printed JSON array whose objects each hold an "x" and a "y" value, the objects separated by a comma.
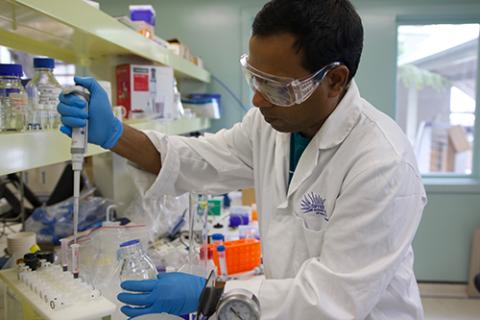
[
  {"x": 78, "y": 33},
  {"x": 180, "y": 126},
  {"x": 28, "y": 150}
]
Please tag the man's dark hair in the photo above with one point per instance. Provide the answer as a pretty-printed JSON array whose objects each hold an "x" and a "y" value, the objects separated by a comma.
[{"x": 325, "y": 30}]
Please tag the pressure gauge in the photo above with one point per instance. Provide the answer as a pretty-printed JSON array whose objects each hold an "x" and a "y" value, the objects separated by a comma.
[{"x": 238, "y": 304}]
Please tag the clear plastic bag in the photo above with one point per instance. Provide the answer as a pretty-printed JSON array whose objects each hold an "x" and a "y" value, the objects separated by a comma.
[
  {"x": 160, "y": 214},
  {"x": 55, "y": 222},
  {"x": 171, "y": 255}
]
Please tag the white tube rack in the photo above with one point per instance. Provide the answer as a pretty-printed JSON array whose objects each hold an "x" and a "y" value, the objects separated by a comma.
[{"x": 30, "y": 293}]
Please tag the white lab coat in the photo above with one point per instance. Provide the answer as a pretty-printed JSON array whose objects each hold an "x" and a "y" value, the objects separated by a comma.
[{"x": 337, "y": 243}]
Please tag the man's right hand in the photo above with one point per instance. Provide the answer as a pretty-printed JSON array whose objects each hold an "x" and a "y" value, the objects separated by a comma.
[
  {"x": 175, "y": 293},
  {"x": 104, "y": 129}
]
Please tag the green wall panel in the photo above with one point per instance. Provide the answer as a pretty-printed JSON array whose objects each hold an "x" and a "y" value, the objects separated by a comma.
[{"x": 443, "y": 241}]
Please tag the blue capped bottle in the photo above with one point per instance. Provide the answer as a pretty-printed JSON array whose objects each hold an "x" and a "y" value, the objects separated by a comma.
[
  {"x": 43, "y": 91},
  {"x": 13, "y": 98},
  {"x": 136, "y": 264}
]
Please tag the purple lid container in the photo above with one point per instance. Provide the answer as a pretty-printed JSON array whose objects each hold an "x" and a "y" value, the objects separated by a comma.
[
  {"x": 235, "y": 220},
  {"x": 245, "y": 219},
  {"x": 129, "y": 243},
  {"x": 143, "y": 13}
]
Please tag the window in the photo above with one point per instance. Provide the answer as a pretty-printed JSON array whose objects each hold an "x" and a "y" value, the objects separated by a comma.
[
  {"x": 64, "y": 73},
  {"x": 436, "y": 94},
  {"x": 5, "y": 56}
]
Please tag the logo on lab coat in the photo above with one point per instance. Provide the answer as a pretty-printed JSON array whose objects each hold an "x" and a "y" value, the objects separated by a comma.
[{"x": 313, "y": 203}]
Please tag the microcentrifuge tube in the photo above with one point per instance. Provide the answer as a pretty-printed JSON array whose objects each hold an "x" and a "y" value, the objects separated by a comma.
[
  {"x": 64, "y": 254},
  {"x": 222, "y": 260},
  {"x": 75, "y": 259}
]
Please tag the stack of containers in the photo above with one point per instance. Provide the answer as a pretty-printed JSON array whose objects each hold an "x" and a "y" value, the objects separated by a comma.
[{"x": 19, "y": 244}]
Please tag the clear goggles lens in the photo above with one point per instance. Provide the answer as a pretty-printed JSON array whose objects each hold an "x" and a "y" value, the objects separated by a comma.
[{"x": 283, "y": 91}]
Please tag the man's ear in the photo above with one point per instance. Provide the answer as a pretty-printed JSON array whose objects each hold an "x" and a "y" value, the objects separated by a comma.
[{"x": 337, "y": 80}]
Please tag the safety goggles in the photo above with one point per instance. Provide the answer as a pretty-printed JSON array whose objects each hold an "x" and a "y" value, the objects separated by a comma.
[{"x": 283, "y": 91}]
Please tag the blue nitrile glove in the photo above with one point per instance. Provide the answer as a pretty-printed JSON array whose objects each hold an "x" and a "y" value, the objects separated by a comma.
[
  {"x": 175, "y": 293},
  {"x": 104, "y": 129}
]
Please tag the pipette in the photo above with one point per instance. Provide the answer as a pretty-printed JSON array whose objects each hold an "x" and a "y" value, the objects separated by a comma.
[
  {"x": 203, "y": 212},
  {"x": 78, "y": 150},
  {"x": 192, "y": 213}
]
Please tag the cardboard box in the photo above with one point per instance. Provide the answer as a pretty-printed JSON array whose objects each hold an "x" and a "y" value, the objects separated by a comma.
[
  {"x": 145, "y": 91},
  {"x": 457, "y": 143},
  {"x": 248, "y": 196},
  {"x": 180, "y": 49}
]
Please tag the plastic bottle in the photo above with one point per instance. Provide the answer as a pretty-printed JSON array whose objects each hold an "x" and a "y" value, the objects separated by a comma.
[
  {"x": 243, "y": 212},
  {"x": 231, "y": 231},
  {"x": 217, "y": 239},
  {"x": 235, "y": 198},
  {"x": 226, "y": 201},
  {"x": 13, "y": 98},
  {"x": 248, "y": 232},
  {"x": 136, "y": 265},
  {"x": 43, "y": 91}
]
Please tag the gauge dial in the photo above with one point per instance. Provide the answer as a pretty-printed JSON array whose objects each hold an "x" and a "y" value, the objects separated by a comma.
[
  {"x": 239, "y": 305},
  {"x": 236, "y": 310}
]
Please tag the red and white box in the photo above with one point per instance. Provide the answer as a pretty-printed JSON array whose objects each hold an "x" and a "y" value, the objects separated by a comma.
[{"x": 145, "y": 91}]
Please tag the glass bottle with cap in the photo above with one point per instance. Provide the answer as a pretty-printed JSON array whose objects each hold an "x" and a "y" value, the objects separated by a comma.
[
  {"x": 13, "y": 98},
  {"x": 136, "y": 264},
  {"x": 43, "y": 91}
]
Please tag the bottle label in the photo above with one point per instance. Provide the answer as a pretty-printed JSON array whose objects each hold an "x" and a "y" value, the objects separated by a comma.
[
  {"x": 47, "y": 96},
  {"x": 13, "y": 106},
  {"x": 43, "y": 112},
  {"x": 14, "y": 111},
  {"x": 18, "y": 101}
]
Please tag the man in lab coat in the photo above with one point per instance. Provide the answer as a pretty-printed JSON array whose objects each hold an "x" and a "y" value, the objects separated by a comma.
[{"x": 337, "y": 186}]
